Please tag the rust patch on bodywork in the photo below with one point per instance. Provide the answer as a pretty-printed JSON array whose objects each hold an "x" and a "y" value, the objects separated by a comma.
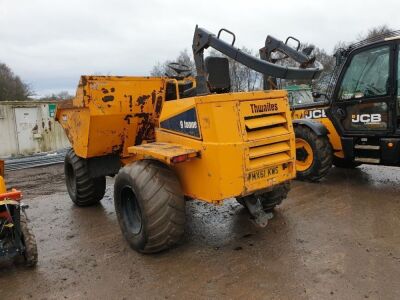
[
  {"x": 159, "y": 105},
  {"x": 128, "y": 119},
  {"x": 141, "y": 101},
  {"x": 108, "y": 98},
  {"x": 145, "y": 128}
]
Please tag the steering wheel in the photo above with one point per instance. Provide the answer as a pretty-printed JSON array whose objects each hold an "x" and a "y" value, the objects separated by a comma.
[{"x": 179, "y": 68}]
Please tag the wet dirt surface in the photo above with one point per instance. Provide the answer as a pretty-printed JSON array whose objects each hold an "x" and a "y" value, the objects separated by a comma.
[{"x": 338, "y": 239}]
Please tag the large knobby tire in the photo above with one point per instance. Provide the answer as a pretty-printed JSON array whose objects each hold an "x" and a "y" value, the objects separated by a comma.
[
  {"x": 150, "y": 206},
  {"x": 313, "y": 154},
  {"x": 30, "y": 254},
  {"x": 82, "y": 189},
  {"x": 345, "y": 164},
  {"x": 271, "y": 199}
]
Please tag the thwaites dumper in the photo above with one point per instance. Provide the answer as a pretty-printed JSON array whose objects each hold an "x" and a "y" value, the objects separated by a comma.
[
  {"x": 175, "y": 141},
  {"x": 17, "y": 240}
]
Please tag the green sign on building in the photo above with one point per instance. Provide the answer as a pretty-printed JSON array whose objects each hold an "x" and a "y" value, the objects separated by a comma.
[{"x": 52, "y": 110}]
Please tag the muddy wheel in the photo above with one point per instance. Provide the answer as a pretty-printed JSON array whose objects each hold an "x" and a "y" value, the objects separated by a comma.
[
  {"x": 313, "y": 154},
  {"x": 82, "y": 189},
  {"x": 28, "y": 238},
  {"x": 150, "y": 206},
  {"x": 271, "y": 199},
  {"x": 345, "y": 164}
]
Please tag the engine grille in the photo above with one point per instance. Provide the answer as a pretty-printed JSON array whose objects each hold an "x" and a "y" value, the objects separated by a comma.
[{"x": 269, "y": 138}]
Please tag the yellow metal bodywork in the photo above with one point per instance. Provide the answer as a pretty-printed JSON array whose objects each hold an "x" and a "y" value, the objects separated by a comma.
[
  {"x": 318, "y": 114},
  {"x": 111, "y": 113},
  {"x": 164, "y": 152},
  {"x": 245, "y": 144},
  {"x": 2, "y": 183},
  {"x": 241, "y": 150}
]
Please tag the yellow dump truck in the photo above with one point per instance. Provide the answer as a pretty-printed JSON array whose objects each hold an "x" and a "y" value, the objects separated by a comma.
[{"x": 169, "y": 144}]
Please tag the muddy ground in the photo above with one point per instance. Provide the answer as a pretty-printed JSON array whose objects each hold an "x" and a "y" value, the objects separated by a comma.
[{"x": 339, "y": 239}]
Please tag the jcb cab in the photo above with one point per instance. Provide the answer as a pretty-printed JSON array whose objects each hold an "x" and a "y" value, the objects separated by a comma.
[{"x": 361, "y": 120}]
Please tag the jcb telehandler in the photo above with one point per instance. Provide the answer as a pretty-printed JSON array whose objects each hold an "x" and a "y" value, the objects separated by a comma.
[
  {"x": 177, "y": 142},
  {"x": 360, "y": 120}
]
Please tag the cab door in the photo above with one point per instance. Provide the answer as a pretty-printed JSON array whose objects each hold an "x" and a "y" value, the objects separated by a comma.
[{"x": 364, "y": 101}]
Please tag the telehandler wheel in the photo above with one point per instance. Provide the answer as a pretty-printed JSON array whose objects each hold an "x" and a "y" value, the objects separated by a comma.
[
  {"x": 271, "y": 199},
  {"x": 313, "y": 154},
  {"x": 345, "y": 164},
  {"x": 28, "y": 238},
  {"x": 82, "y": 189},
  {"x": 150, "y": 206}
]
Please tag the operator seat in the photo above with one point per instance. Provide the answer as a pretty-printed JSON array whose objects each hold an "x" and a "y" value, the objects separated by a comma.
[{"x": 218, "y": 77}]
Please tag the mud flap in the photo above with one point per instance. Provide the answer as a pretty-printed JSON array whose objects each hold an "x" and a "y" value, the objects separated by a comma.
[{"x": 255, "y": 208}]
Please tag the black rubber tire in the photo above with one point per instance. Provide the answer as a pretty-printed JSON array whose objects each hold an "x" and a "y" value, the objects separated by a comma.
[
  {"x": 345, "y": 164},
  {"x": 82, "y": 189},
  {"x": 271, "y": 199},
  {"x": 150, "y": 206},
  {"x": 323, "y": 154},
  {"x": 28, "y": 238}
]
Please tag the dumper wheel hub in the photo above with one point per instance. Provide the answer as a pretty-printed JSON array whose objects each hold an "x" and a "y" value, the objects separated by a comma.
[{"x": 131, "y": 210}]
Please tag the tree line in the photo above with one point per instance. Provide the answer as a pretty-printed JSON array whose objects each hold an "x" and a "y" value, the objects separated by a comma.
[
  {"x": 246, "y": 79},
  {"x": 12, "y": 87}
]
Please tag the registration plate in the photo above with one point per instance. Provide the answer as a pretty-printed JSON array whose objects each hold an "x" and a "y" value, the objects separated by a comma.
[{"x": 262, "y": 174}]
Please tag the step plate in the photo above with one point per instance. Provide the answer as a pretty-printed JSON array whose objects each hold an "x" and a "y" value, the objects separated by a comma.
[{"x": 367, "y": 160}]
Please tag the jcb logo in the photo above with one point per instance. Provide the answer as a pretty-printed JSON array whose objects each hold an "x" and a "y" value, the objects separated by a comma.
[
  {"x": 315, "y": 114},
  {"x": 366, "y": 118}
]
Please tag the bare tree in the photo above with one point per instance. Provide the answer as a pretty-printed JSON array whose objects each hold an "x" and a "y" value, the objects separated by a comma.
[
  {"x": 11, "y": 85},
  {"x": 63, "y": 95},
  {"x": 375, "y": 31}
]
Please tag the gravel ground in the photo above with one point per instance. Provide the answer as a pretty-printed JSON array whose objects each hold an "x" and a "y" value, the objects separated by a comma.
[{"x": 338, "y": 239}]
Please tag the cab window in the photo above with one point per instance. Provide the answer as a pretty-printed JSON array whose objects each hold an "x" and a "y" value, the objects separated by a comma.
[
  {"x": 300, "y": 97},
  {"x": 367, "y": 75}
]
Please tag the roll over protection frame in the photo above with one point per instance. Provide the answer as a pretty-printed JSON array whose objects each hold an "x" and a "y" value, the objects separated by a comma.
[{"x": 203, "y": 39}]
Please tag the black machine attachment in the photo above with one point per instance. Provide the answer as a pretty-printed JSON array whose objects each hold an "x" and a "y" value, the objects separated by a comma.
[
  {"x": 217, "y": 69},
  {"x": 273, "y": 45},
  {"x": 309, "y": 68}
]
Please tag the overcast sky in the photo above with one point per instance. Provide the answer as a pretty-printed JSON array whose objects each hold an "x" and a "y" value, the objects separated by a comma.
[{"x": 50, "y": 43}]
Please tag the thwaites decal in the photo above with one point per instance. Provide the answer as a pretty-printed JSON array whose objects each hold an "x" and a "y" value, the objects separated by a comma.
[{"x": 185, "y": 122}]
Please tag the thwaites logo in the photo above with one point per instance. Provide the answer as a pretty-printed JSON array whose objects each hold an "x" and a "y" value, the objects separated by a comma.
[
  {"x": 315, "y": 114},
  {"x": 366, "y": 118},
  {"x": 261, "y": 174},
  {"x": 260, "y": 108}
]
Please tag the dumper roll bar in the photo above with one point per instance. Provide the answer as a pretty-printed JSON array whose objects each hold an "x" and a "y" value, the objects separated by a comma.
[{"x": 203, "y": 39}]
